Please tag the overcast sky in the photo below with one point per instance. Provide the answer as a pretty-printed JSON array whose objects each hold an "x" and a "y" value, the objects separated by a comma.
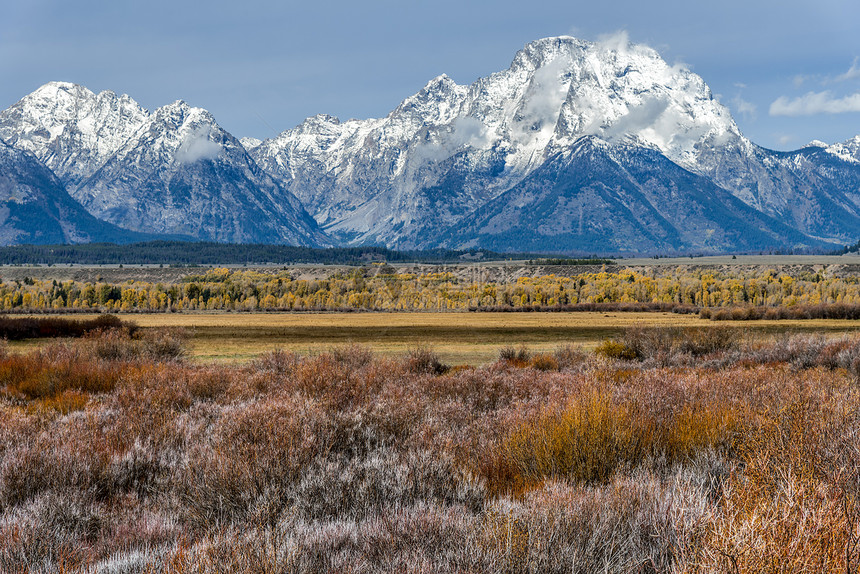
[{"x": 788, "y": 70}]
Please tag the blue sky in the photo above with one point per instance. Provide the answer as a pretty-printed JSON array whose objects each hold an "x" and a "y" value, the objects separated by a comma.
[{"x": 788, "y": 70}]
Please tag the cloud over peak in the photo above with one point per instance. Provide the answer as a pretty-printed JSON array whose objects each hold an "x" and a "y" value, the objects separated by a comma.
[{"x": 197, "y": 146}]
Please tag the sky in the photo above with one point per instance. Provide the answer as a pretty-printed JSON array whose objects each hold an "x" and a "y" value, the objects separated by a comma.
[{"x": 788, "y": 70}]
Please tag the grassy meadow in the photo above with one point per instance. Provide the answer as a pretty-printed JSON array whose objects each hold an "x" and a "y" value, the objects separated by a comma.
[{"x": 458, "y": 338}]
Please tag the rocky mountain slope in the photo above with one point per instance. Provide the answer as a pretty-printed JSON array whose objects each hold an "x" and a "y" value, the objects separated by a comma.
[
  {"x": 173, "y": 171},
  {"x": 621, "y": 198},
  {"x": 449, "y": 150},
  {"x": 35, "y": 207},
  {"x": 182, "y": 173}
]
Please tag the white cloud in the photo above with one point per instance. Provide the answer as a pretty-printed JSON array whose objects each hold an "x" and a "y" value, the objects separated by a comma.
[
  {"x": 197, "y": 146},
  {"x": 636, "y": 119},
  {"x": 471, "y": 132},
  {"x": 546, "y": 95},
  {"x": 465, "y": 132},
  {"x": 853, "y": 72},
  {"x": 617, "y": 41},
  {"x": 744, "y": 108},
  {"x": 815, "y": 103},
  {"x": 785, "y": 140}
]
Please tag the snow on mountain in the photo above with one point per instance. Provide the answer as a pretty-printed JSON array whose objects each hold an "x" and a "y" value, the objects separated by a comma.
[
  {"x": 450, "y": 149},
  {"x": 172, "y": 171},
  {"x": 70, "y": 129},
  {"x": 182, "y": 173},
  {"x": 848, "y": 151},
  {"x": 250, "y": 143},
  {"x": 363, "y": 170},
  {"x": 564, "y": 88},
  {"x": 361, "y": 179},
  {"x": 601, "y": 197}
]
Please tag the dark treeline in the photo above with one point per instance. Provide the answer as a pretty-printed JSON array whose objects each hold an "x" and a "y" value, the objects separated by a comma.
[
  {"x": 182, "y": 253},
  {"x": 563, "y": 261},
  {"x": 853, "y": 248},
  {"x": 18, "y": 328}
]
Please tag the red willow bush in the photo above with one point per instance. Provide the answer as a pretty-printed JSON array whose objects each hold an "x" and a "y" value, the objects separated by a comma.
[
  {"x": 350, "y": 462},
  {"x": 16, "y": 328}
]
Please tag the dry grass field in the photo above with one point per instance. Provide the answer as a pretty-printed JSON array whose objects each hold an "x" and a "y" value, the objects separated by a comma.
[{"x": 458, "y": 338}]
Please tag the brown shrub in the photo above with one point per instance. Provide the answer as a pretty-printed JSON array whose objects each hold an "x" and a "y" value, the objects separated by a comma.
[
  {"x": 53, "y": 371},
  {"x": 353, "y": 356},
  {"x": 544, "y": 362},
  {"x": 614, "y": 350},
  {"x": 701, "y": 341},
  {"x": 569, "y": 356},
  {"x": 340, "y": 462},
  {"x": 278, "y": 362},
  {"x": 240, "y": 469},
  {"x": 423, "y": 360},
  {"x": 16, "y": 328},
  {"x": 125, "y": 345},
  {"x": 787, "y": 504},
  {"x": 516, "y": 357},
  {"x": 64, "y": 403},
  {"x": 584, "y": 443}
]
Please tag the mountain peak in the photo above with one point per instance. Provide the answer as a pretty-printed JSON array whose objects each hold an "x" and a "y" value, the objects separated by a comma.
[
  {"x": 52, "y": 87},
  {"x": 65, "y": 93},
  {"x": 440, "y": 82},
  {"x": 323, "y": 119},
  {"x": 581, "y": 130},
  {"x": 71, "y": 129},
  {"x": 848, "y": 150},
  {"x": 179, "y": 107}
]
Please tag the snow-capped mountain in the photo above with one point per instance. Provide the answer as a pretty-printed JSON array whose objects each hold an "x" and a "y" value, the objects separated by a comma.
[
  {"x": 182, "y": 173},
  {"x": 174, "y": 171},
  {"x": 364, "y": 178},
  {"x": 577, "y": 146},
  {"x": 814, "y": 189},
  {"x": 70, "y": 129},
  {"x": 848, "y": 151},
  {"x": 450, "y": 149},
  {"x": 621, "y": 198}
]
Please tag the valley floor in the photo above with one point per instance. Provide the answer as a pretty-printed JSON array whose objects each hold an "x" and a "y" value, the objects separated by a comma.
[{"x": 458, "y": 338}]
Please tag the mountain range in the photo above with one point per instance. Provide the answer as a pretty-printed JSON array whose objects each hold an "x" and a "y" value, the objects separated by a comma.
[{"x": 581, "y": 147}]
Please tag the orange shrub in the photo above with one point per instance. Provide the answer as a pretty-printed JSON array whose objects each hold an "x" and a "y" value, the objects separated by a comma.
[
  {"x": 787, "y": 504},
  {"x": 544, "y": 362},
  {"x": 614, "y": 350}
]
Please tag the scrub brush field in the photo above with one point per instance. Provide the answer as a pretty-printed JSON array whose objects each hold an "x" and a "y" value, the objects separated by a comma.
[{"x": 662, "y": 449}]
